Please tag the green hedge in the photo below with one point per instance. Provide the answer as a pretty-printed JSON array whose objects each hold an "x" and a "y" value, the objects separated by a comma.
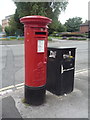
[
  {"x": 12, "y": 37},
  {"x": 72, "y": 35},
  {"x": 82, "y": 38},
  {"x": 20, "y": 38},
  {"x": 49, "y": 39},
  {"x": 72, "y": 38}
]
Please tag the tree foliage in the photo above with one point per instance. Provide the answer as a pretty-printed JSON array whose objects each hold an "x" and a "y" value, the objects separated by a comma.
[
  {"x": 61, "y": 28},
  {"x": 10, "y": 30},
  {"x": 0, "y": 28},
  {"x": 73, "y": 24},
  {"x": 48, "y": 9},
  {"x": 14, "y": 28}
]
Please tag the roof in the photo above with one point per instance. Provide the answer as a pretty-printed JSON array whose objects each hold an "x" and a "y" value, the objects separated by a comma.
[
  {"x": 8, "y": 17},
  {"x": 86, "y": 23}
]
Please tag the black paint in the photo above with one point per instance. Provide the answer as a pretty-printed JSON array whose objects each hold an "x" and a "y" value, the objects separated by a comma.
[
  {"x": 35, "y": 95},
  {"x": 60, "y": 83}
]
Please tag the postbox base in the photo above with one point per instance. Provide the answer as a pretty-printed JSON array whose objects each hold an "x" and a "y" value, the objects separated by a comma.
[{"x": 35, "y": 95}]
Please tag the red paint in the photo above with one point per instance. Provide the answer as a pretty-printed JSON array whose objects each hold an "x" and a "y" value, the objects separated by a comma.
[{"x": 35, "y": 62}]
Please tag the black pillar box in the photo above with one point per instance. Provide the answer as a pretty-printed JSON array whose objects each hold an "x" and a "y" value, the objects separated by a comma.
[{"x": 60, "y": 70}]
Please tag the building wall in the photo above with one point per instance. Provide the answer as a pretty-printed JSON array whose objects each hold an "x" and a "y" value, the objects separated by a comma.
[
  {"x": 84, "y": 29},
  {"x": 5, "y": 23}
]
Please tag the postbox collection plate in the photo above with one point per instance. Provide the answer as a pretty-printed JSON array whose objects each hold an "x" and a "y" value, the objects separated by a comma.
[{"x": 40, "y": 46}]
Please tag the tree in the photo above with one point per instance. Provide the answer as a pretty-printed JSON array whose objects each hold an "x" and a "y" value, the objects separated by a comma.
[
  {"x": 10, "y": 30},
  {"x": 19, "y": 26},
  {"x": 48, "y": 9},
  {"x": 0, "y": 28},
  {"x": 7, "y": 30},
  {"x": 61, "y": 28},
  {"x": 14, "y": 27},
  {"x": 73, "y": 24}
]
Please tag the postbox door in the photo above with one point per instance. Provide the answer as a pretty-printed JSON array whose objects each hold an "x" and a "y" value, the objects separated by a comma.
[
  {"x": 39, "y": 71},
  {"x": 36, "y": 57}
]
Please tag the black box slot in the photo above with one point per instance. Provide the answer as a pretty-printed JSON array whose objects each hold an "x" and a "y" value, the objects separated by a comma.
[{"x": 40, "y": 33}]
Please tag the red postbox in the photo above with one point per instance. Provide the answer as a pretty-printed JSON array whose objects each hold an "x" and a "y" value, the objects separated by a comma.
[{"x": 36, "y": 33}]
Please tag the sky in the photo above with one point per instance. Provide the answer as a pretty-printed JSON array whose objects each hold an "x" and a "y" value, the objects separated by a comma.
[
  {"x": 7, "y": 7},
  {"x": 75, "y": 8}
]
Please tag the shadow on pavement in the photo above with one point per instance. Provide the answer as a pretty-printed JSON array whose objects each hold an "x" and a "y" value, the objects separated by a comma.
[{"x": 9, "y": 109}]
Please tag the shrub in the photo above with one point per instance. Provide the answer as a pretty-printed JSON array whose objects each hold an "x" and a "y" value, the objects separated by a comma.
[
  {"x": 72, "y": 35},
  {"x": 55, "y": 34},
  {"x": 74, "y": 38},
  {"x": 64, "y": 37},
  {"x": 49, "y": 39},
  {"x": 11, "y": 37},
  {"x": 20, "y": 38},
  {"x": 82, "y": 39}
]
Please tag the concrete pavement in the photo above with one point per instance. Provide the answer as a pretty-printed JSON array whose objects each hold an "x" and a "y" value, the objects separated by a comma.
[{"x": 73, "y": 105}]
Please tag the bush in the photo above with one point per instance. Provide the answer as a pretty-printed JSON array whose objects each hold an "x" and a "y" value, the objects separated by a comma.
[
  {"x": 3, "y": 35},
  {"x": 9, "y": 30},
  {"x": 20, "y": 38},
  {"x": 55, "y": 34},
  {"x": 74, "y": 38},
  {"x": 72, "y": 35},
  {"x": 82, "y": 39},
  {"x": 49, "y": 39},
  {"x": 12, "y": 37},
  {"x": 64, "y": 37}
]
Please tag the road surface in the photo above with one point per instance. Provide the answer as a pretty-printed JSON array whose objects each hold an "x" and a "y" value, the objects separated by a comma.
[{"x": 12, "y": 59}]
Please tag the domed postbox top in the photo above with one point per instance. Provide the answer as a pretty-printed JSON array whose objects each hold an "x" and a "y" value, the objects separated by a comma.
[{"x": 36, "y": 20}]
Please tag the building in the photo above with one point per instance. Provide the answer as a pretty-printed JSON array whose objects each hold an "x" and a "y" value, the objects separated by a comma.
[
  {"x": 5, "y": 22},
  {"x": 84, "y": 28}
]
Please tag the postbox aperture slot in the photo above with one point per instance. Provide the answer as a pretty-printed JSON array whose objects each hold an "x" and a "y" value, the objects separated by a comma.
[{"x": 40, "y": 33}]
